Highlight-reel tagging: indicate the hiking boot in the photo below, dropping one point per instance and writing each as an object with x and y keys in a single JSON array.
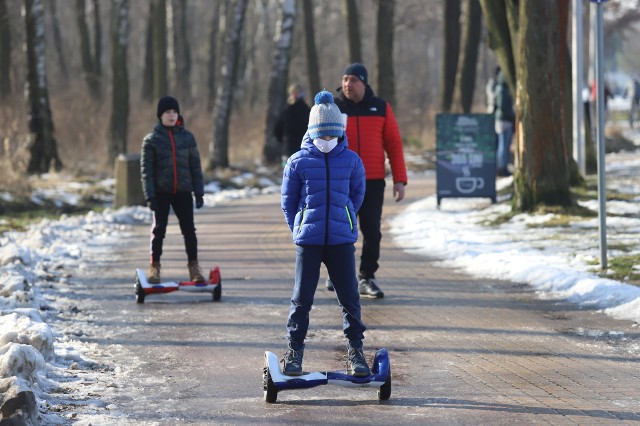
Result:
[
  {"x": 292, "y": 359},
  {"x": 329, "y": 285},
  {"x": 154, "y": 273},
  {"x": 195, "y": 275},
  {"x": 356, "y": 364},
  {"x": 367, "y": 287}
]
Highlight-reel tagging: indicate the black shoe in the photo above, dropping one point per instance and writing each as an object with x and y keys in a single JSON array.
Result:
[
  {"x": 356, "y": 364},
  {"x": 368, "y": 288},
  {"x": 329, "y": 285},
  {"x": 292, "y": 359}
]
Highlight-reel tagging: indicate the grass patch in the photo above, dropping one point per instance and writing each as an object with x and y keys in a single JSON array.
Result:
[{"x": 622, "y": 267}]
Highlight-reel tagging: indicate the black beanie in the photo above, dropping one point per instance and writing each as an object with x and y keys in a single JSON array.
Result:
[
  {"x": 167, "y": 103},
  {"x": 358, "y": 70}
]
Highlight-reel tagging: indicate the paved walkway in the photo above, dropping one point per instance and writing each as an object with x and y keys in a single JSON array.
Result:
[{"x": 463, "y": 351}]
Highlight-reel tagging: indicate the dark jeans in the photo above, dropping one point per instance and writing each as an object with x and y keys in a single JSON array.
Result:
[
  {"x": 370, "y": 216},
  {"x": 182, "y": 204},
  {"x": 341, "y": 264}
]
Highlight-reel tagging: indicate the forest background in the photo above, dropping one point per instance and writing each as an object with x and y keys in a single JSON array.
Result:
[{"x": 80, "y": 69}]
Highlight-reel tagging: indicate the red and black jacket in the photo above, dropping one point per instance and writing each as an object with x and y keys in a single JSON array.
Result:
[{"x": 372, "y": 131}]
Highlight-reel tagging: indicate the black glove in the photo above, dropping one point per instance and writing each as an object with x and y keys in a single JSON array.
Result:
[
  {"x": 152, "y": 204},
  {"x": 199, "y": 201}
]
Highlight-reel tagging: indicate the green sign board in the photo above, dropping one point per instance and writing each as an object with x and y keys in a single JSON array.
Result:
[{"x": 465, "y": 156}]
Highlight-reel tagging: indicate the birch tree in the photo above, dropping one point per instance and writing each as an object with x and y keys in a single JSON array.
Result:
[
  {"x": 313, "y": 69},
  {"x": 43, "y": 147},
  {"x": 279, "y": 72},
  {"x": 57, "y": 40},
  {"x": 182, "y": 49},
  {"x": 219, "y": 146}
]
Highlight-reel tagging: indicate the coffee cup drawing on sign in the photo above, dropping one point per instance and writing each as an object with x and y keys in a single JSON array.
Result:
[{"x": 469, "y": 184}]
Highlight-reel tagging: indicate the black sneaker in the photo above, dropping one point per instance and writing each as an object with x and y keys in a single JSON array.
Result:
[
  {"x": 292, "y": 360},
  {"x": 356, "y": 364},
  {"x": 329, "y": 285},
  {"x": 368, "y": 288}
]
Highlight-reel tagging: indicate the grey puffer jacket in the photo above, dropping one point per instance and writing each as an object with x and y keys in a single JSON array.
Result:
[{"x": 170, "y": 162}]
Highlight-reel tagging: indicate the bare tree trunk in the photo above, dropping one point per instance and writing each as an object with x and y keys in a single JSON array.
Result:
[
  {"x": 182, "y": 49},
  {"x": 147, "y": 73},
  {"x": 213, "y": 53},
  {"x": 219, "y": 147},
  {"x": 353, "y": 30},
  {"x": 43, "y": 148},
  {"x": 502, "y": 22},
  {"x": 384, "y": 41},
  {"x": 88, "y": 66},
  {"x": 120, "y": 90},
  {"x": 5, "y": 51},
  {"x": 451, "y": 50},
  {"x": 57, "y": 40},
  {"x": 159, "y": 42},
  {"x": 468, "y": 59},
  {"x": 279, "y": 73},
  {"x": 313, "y": 69},
  {"x": 97, "y": 44},
  {"x": 543, "y": 176}
]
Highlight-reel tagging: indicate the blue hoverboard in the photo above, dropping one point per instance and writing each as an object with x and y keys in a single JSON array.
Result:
[{"x": 275, "y": 381}]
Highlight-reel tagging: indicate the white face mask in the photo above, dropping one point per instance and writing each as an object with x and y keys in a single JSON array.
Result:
[{"x": 324, "y": 145}]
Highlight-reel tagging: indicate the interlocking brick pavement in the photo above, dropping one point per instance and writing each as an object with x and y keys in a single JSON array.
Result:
[{"x": 463, "y": 350}]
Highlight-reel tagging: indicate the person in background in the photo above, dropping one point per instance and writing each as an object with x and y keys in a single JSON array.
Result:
[
  {"x": 489, "y": 90},
  {"x": 292, "y": 123},
  {"x": 323, "y": 187},
  {"x": 372, "y": 131},
  {"x": 504, "y": 121},
  {"x": 171, "y": 172},
  {"x": 633, "y": 94}
]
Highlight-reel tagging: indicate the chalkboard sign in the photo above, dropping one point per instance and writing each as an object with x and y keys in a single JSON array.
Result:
[{"x": 465, "y": 156}]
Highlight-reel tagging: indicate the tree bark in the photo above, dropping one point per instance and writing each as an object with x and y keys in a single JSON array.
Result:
[
  {"x": 57, "y": 40},
  {"x": 502, "y": 34},
  {"x": 120, "y": 92},
  {"x": 213, "y": 54},
  {"x": 451, "y": 50},
  {"x": 88, "y": 66},
  {"x": 159, "y": 42},
  {"x": 543, "y": 175},
  {"x": 43, "y": 147},
  {"x": 5, "y": 51},
  {"x": 97, "y": 45},
  {"x": 219, "y": 147},
  {"x": 313, "y": 69},
  {"x": 279, "y": 73},
  {"x": 468, "y": 59},
  {"x": 353, "y": 30},
  {"x": 384, "y": 41},
  {"x": 147, "y": 73},
  {"x": 182, "y": 49}
]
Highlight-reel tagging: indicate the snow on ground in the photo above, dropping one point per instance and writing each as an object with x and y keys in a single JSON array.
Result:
[
  {"x": 558, "y": 261},
  {"x": 38, "y": 363}
]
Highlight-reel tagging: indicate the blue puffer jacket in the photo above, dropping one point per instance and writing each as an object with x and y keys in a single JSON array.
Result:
[{"x": 322, "y": 193}]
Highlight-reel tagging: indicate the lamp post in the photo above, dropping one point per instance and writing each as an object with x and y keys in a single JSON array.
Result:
[{"x": 600, "y": 100}]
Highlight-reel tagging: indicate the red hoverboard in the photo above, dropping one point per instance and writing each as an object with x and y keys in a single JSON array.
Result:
[{"x": 144, "y": 288}]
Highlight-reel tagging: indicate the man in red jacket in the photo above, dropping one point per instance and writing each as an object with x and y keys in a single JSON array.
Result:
[{"x": 372, "y": 132}]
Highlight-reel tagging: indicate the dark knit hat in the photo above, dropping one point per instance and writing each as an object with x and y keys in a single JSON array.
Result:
[
  {"x": 167, "y": 103},
  {"x": 325, "y": 118},
  {"x": 358, "y": 70}
]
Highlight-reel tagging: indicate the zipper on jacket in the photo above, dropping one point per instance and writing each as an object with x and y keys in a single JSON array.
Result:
[
  {"x": 304, "y": 208},
  {"x": 349, "y": 217},
  {"x": 175, "y": 162},
  {"x": 326, "y": 225}
]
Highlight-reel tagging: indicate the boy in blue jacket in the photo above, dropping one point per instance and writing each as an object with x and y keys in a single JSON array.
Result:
[{"x": 322, "y": 189}]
